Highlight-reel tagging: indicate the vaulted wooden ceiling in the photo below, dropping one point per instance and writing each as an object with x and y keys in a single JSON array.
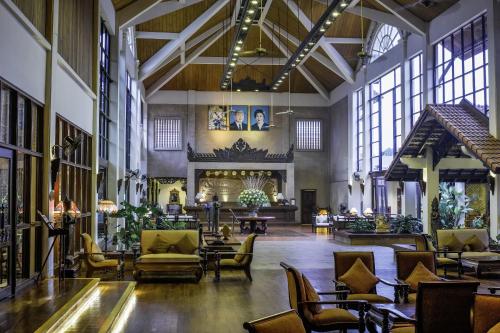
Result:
[{"x": 189, "y": 67}]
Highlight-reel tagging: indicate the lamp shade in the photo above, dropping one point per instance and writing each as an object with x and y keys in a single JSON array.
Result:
[
  {"x": 353, "y": 211},
  {"x": 106, "y": 206},
  {"x": 280, "y": 196},
  {"x": 68, "y": 207},
  {"x": 368, "y": 212}
]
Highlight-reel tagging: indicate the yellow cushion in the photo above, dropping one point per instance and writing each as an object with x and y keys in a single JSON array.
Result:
[
  {"x": 445, "y": 261},
  {"x": 323, "y": 212},
  {"x": 106, "y": 263},
  {"x": 412, "y": 297},
  {"x": 243, "y": 249},
  {"x": 168, "y": 258},
  {"x": 332, "y": 315},
  {"x": 495, "y": 329},
  {"x": 454, "y": 244},
  {"x": 229, "y": 262},
  {"x": 311, "y": 295},
  {"x": 359, "y": 279},
  {"x": 92, "y": 248},
  {"x": 403, "y": 329},
  {"x": 160, "y": 245},
  {"x": 370, "y": 298},
  {"x": 474, "y": 244},
  {"x": 185, "y": 245},
  {"x": 420, "y": 273}
]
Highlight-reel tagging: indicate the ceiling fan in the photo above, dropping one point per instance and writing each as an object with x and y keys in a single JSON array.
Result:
[{"x": 258, "y": 51}]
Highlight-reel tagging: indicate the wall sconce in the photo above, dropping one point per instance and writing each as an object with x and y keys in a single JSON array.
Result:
[
  {"x": 491, "y": 182},
  {"x": 69, "y": 146},
  {"x": 119, "y": 184},
  {"x": 402, "y": 186},
  {"x": 362, "y": 186},
  {"x": 423, "y": 185},
  {"x": 349, "y": 187}
]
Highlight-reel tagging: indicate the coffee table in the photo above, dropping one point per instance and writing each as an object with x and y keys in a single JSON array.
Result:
[
  {"x": 379, "y": 315},
  {"x": 253, "y": 223},
  {"x": 213, "y": 245},
  {"x": 482, "y": 264}
]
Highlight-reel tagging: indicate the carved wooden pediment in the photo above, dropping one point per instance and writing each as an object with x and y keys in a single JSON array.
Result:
[{"x": 240, "y": 151}]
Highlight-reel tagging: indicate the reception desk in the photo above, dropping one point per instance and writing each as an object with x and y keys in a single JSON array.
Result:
[{"x": 282, "y": 214}]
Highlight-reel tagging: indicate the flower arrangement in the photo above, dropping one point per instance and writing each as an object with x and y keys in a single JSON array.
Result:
[{"x": 253, "y": 197}]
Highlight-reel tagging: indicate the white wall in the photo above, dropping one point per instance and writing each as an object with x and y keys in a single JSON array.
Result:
[{"x": 22, "y": 56}]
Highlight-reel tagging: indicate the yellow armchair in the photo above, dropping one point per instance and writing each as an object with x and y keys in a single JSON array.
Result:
[{"x": 95, "y": 260}]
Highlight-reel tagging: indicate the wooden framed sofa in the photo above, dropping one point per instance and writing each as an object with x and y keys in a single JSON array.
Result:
[
  {"x": 169, "y": 253},
  {"x": 470, "y": 242}
]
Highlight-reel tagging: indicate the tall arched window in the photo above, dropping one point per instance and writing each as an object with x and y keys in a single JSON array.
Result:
[{"x": 385, "y": 39}]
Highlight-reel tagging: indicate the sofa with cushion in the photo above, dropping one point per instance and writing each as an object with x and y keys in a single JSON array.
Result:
[
  {"x": 167, "y": 253},
  {"x": 472, "y": 242}
]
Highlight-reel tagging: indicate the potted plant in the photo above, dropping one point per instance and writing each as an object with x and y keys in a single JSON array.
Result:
[
  {"x": 453, "y": 205},
  {"x": 406, "y": 225},
  {"x": 253, "y": 199},
  {"x": 362, "y": 225}
]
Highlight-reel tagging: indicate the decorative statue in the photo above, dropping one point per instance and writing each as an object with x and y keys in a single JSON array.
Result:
[
  {"x": 226, "y": 231},
  {"x": 381, "y": 224}
]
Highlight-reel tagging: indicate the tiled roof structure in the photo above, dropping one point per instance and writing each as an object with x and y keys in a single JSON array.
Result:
[{"x": 446, "y": 128}]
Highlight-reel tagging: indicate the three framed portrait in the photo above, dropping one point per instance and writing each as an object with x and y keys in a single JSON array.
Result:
[{"x": 238, "y": 118}]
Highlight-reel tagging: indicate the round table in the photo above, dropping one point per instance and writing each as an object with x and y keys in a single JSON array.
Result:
[{"x": 253, "y": 223}]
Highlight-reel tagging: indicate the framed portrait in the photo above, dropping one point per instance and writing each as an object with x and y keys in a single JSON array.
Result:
[
  {"x": 238, "y": 118},
  {"x": 217, "y": 117},
  {"x": 259, "y": 118}
]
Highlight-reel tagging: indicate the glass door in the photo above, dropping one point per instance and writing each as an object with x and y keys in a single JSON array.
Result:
[{"x": 7, "y": 226}]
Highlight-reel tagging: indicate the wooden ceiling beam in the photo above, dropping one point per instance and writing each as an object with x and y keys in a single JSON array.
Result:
[
  {"x": 405, "y": 15},
  {"x": 316, "y": 55},
  {"x": 236, "y": 10},
  {"x": 301, "y": 68},
  {"x": 382, "y": 17},
  {"x": 160, "y": 9},
  {"x": 195, "y": 54},
  {"x": 126, "y": 15},
  {"x": 153, "y": 63},
  {"x": 345, "y": 69},
  {"x": 156, "y": 35},
  {"x": 254, "y": 61}
]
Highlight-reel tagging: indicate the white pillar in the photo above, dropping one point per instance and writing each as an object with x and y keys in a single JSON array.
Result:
[
  {"x": 431, "y": 179},
  {"x": 493, "y": 32}
]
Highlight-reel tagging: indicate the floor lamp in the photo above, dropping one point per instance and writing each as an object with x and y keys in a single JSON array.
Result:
[{"x": 106, "y": 207}]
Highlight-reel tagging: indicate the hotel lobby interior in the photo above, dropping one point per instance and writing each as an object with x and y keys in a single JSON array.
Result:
[{"x": 283, "y": 166}]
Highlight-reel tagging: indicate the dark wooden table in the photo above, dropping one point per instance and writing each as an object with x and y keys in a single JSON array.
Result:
[
  {"x": 252, "y": 220},
  {"x": 213, "y": 245},
  {"x": 482, "y": 264},
  {"x": 378, "y": 316}
]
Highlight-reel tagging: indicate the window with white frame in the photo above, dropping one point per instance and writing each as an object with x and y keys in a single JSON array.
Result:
[
  {"x": 461, "y": 66},
  {"x": 309, "y": 135},
  {"x": 384, "y": 39},
  {"x": 168, "y": 134},
  {"x": 385, "y": 119},
  {"x": 416, "y": 95},
  {"x": 360, "y": 121}
]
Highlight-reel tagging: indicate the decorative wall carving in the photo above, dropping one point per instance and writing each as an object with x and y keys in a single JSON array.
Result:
[{"x": 240, "y": 151}]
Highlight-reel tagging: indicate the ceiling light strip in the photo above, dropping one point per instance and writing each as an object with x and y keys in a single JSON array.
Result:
[
  {"x": 247, "y": 14},
  {"x": 309, "y": 44}
]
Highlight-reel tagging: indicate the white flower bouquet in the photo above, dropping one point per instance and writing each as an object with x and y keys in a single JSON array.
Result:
[{"x": 253, "y": 197}]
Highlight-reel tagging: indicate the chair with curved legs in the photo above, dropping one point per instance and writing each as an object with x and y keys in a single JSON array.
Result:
[{"x": 283, "y": 322}]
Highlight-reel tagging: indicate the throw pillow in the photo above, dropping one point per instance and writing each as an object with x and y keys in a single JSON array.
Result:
[
  {"x": 454, "y": 244},
  {"x": 311, "y": 296},
  {"x": 420, "y": 273},
  {"x": 243, "y": 249},
  {"x": 359, "y": 279},
  {"x": 96, "y": 252},
  {"x": 159, "y": 245},
  {"x": 185, "y": 245},
  {"x": 474, "y": 244}
]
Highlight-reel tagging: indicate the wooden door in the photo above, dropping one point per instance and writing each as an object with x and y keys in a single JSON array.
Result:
[{"x": 307, "y": 205}]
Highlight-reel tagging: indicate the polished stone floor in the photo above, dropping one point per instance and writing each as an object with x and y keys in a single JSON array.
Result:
[{"x": 223, "y": 307}]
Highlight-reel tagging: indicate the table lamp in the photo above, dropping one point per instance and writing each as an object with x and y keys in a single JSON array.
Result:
[
  {"x": 280, "y": 197},
  {"x": 353, "y": 211},
  {"x": 368, "y": 212},
  {"x": 106, "y": 207}
]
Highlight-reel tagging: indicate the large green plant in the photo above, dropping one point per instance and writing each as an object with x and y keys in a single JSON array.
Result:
[
  {"x": 453, "y": 205},
  {"x": 406, "y": 225},
  {"x": 136, "y": 219},
  {"x": 362, "y": 225}
]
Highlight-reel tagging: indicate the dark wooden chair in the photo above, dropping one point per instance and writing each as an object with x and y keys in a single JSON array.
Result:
[
  {"x": 283, "y": 322},
  {"x": 343, "y": 261},
  {"x": 424, "y": 243},
  {"x": 327, "y": 319},
  {"x": 442, "y": 306},
  {"x": 241, "y": 261}
]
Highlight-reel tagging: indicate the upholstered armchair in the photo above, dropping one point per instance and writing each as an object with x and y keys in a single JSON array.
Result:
[
  {"x": 486, "y": 313},
  {"x": 355, "y": 272},
  {"x": 413, "y": 267},
  {"x": 321, "y": 218},
  {"x": 424, "y": 243},
  {"x": 95, "y": 260},
  {"x": 284, "y": 322},
  {"x": 241, "y": 261},
  {"x": 441, "y": 306},
  {"x": 306, "y": 301}
]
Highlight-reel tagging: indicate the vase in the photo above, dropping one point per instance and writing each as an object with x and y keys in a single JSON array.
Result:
[{"x": 253, "y": 209}]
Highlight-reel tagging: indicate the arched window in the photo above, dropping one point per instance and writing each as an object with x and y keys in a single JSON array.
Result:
[{"x": 385, "y": 39}]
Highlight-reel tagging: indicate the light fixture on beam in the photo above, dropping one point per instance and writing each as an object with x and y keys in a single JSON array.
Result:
[
  {"x": 334, "y": 9},
  {"x": 246, "y": 16}
]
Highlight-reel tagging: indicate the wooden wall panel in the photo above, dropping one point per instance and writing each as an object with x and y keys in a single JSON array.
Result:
[
  {"x": 35, "y": 11},
  {"x": 75, "y": 36}
]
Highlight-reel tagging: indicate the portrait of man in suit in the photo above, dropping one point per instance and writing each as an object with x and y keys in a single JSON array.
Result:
[
  {"x": 260, "y": 116},
  {"x": 238, "y": 121}
]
